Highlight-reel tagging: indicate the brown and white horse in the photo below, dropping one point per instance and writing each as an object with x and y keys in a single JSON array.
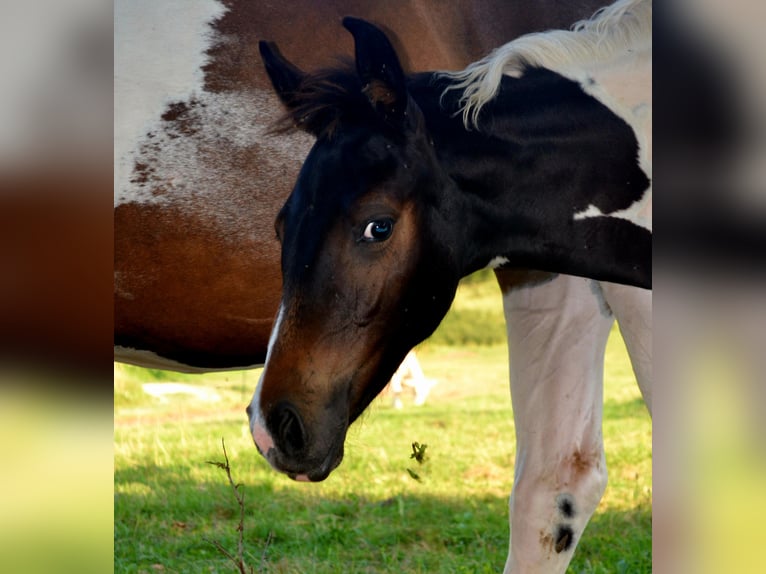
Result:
[
  {"x": 548, "y": 168},
  {"x": 199, "y": 184}
]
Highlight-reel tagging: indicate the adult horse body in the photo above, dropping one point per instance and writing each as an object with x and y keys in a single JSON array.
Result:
[
  {"x": 398, "y": 199},
  {"x": 198, "y": 186},
  {"x": 198, "y": 183}
]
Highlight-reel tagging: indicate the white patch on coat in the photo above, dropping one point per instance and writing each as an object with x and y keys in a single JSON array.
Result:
[
  {"x": 610, "y": 56},
  {"x": 159, "y": 51},
  {"x": 261, "y": 435},
  {"x": 497, "y": 262},
  {"x": 202, "y": 162},
  {"x": 639, "y": 212}
]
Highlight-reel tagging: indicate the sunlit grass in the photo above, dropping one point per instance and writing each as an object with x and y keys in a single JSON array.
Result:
[{"x": 371, "y": 515}]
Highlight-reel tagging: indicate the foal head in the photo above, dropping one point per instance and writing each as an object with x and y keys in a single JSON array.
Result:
[{"x": 367, "y": 262}]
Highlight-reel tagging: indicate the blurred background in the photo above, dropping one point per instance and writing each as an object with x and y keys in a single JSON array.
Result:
[
  {"x": 55, "y": 283},
  {"x": 710, "y": 304}
]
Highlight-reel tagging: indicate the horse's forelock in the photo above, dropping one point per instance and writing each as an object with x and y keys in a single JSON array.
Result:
[{"x": 323, "y": 100}]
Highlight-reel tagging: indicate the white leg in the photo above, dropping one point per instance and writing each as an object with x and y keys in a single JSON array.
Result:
[
  {"x": 632, "y": 308},
  {"x": 395, "y": 384},
  {"x": 412, "y": 367},
  {"x": 410, "y": 374},
  {"x": 557, "y": 335},
  {"x": 416, "y": 379}
]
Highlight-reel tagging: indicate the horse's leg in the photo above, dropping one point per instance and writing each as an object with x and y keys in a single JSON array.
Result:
[
  {"x": 416, "y": 379},
  {"x": 632, "y": 307},
  {"x": 557, "y": 335},
  {"x": 395, "y": 384}
]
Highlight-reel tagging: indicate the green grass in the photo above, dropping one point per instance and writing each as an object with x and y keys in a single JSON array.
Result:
[{"x": 370, "y": 515}]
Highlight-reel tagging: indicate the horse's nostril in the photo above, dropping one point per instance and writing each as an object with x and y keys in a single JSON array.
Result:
[{"x": 290, "y": 431}]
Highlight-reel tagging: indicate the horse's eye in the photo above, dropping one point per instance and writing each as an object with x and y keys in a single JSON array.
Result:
[{"x": 378, "y": 230}]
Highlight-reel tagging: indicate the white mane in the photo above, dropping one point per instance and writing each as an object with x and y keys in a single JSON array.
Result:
[{"x": 612, "y": 31}]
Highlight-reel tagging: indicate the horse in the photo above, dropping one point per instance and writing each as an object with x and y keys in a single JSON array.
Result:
[
  {"x": 198, "y": 183},
  {"x": 410, "y": 374},
  {"x": 536, "y": 157}
]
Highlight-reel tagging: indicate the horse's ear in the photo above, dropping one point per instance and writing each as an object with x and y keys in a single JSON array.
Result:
[
  {"x": 285, "y": 76},
  {"x": 379, "y": 69}
]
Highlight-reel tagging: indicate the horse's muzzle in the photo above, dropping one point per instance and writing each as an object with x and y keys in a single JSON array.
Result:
[{"x": 290, "y": 453}]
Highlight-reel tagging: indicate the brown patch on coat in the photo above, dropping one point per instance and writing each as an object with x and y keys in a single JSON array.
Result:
[
  {"x": 546, "y": 540},
  {"x": 175, "y": 111},
  {"x": 510, "y": 279},
  {"x": 582, "y": 463},
  {"x": 197, "y": 295}
]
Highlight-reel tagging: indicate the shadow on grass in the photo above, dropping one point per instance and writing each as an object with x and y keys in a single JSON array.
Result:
[{"x": 164, "y": 521}]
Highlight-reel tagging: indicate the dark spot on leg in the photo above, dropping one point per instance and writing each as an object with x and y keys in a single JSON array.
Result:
[
  {"x": 564, "y": 538},
  {"x": 566, "y": 505}
]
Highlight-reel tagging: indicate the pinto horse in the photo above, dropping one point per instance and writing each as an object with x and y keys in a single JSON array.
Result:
[
  {"x": 198, "y": 183},
  {"x": 536, "y": 157}
]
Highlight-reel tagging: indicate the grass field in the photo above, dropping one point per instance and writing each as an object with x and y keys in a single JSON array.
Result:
[{"x": 370, "y": 515}]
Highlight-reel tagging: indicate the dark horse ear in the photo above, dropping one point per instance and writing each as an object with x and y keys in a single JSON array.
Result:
[
  {"x": 285, "y": 76},
  {"x": 378, "y": 67}
]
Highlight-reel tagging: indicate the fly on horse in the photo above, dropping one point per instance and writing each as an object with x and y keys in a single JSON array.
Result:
[{"x": 536, "y": 157}]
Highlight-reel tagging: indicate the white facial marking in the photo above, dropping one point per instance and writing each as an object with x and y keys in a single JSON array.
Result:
[
  {"x": 274, "y": 331},
  {"x": 261, "y": 435}
]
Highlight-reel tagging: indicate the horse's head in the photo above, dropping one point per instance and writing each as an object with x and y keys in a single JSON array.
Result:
[{"x": 368, "y": 271}]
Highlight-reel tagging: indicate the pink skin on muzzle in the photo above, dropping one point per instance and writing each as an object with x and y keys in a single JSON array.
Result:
[
  {"x": 262, "y": 438},
  {"x": 265, "y": 443}
]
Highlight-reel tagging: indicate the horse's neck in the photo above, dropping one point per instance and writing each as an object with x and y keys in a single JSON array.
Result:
[
  {"x": 525, "y": 188},
  {"x": 623, "y": 83},
  {"x": 520, "y": 233}
]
